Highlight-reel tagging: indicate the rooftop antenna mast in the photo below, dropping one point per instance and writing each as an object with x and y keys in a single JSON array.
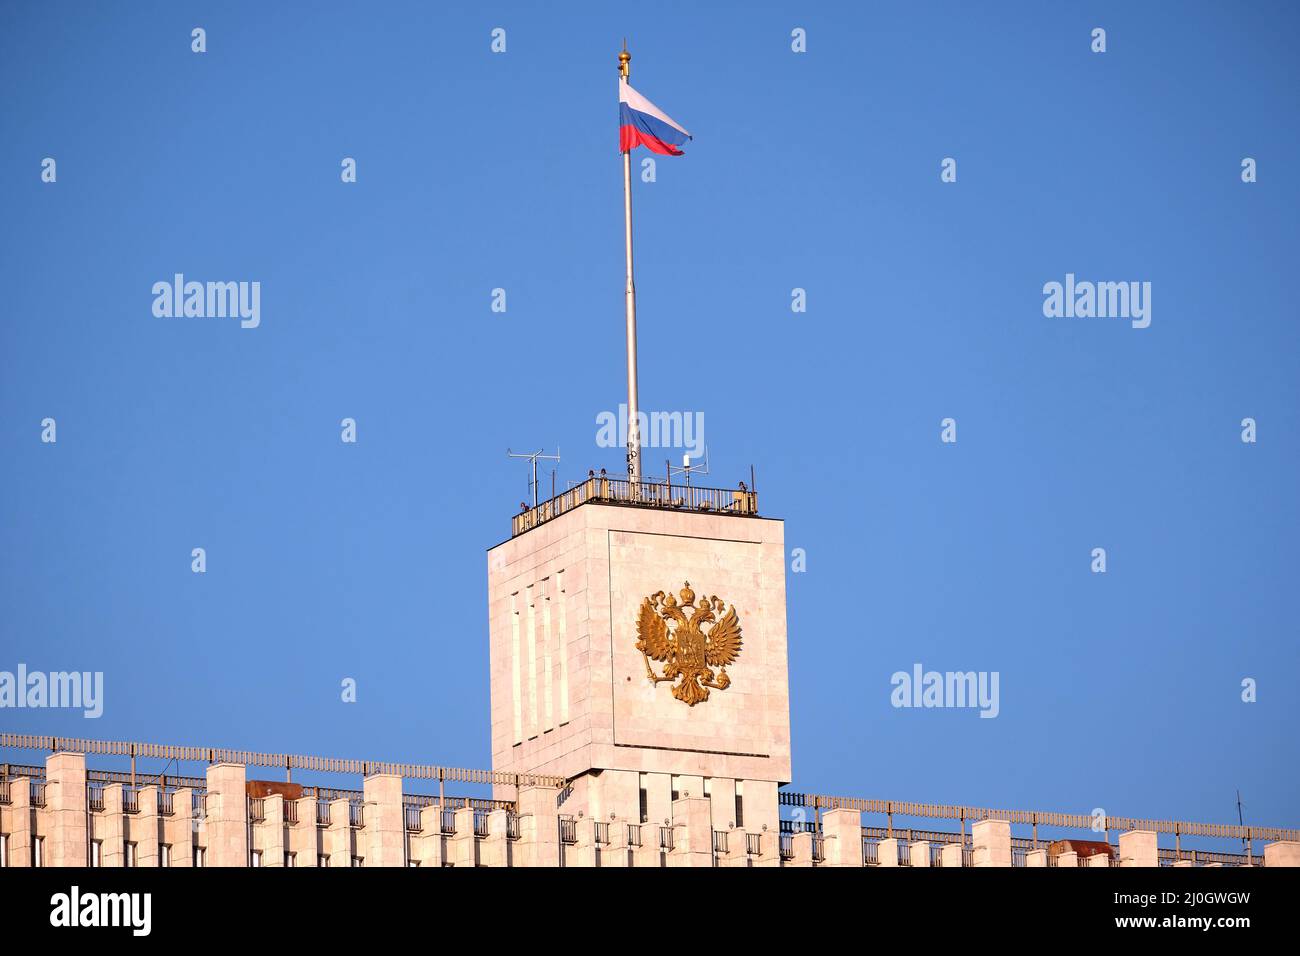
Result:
[
  {"x": 1240, "y": 820},
  {"x": 687, "y": 468},
  {"x": 532, "y": 456}
]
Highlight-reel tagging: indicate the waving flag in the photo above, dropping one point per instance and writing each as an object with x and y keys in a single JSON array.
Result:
[{"x": 641, "y": 123}]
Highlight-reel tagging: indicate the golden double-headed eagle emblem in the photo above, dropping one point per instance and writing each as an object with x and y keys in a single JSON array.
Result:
[{"x": 689, "y": 653}]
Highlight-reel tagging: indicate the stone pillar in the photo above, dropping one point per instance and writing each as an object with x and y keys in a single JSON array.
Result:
[
  {"x": 647, "y": 854},
  {"x": 178, "y": 828},
  {"x": 919, "y": 853},
  {"x": 304, "y": 842},
  {"x": 1282, "y": 853},
  {"x": 426, "y": 849},
  {"x": 539, "y": 826},
  {"x": 494, "y": 848},
  {"x": 144, "y": 828},
  {"x": 842, "y": 830},
  {"x": 111, "y": 823},
  {"x": 1138, "y": 848},
  {"x": 992, "y": 841},
  {"x": 461, "y": 849},
  {"x": 227, "y": 815},
  {"x": 736, "y": 855},
  {"x": 950, "y": 856},
  {"x": 583, "y": 852},
  {"x": 338, "y": 838},
  {"x": 692, "y": 833},
  {"x": 722, "y": 804},
  {"x": 887, "y": 852},
  {"x": 614, "y": 853},
  {"x": 20, "y": 809},
  {"x": 761, "y": 807},
  {"x": 65, "y": 797},
  {"x": 1036, "y": 858},
  {"x": 1069, "y": 860},
  {"x": 385, "y": 830},
  {"x": 268, "y": 836}
]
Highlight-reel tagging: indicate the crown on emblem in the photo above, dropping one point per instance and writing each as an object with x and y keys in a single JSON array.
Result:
[{"x": 688, "y": 596}]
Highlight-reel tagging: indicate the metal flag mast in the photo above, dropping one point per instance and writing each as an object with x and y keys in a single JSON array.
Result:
[{"x": 633, "y": 416}]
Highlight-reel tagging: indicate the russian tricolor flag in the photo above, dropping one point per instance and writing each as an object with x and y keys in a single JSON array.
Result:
[{"x": 641, "y": 123}]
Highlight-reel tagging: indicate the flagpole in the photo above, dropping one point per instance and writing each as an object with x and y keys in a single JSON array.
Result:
[{"x": 633, "y": 416}]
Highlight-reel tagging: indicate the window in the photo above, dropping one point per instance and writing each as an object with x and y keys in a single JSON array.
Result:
[
  {"x": 645, "y": 809},
  {"x": 322, "y": 860},
  {"x": 413, "y": 863},
  {"x": 165, "y": 854},
  {"x": 358, "y": 861},
  {"x": 4, "y": 849},
  {"x": 256, "y": 860},
  {"x": 38, "y": 851},
  {"x": 740, "y": 804},
  {"x": 675, "y": 794},
  {"x": 708, "y": 786},
  {"x": 200, "y": 856},
  {"x": 290, "y": 859},
  {"x": 97, "y": 853},
  {"x": 132, "y": 854}
]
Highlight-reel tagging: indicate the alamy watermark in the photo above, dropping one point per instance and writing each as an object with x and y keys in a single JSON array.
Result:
[
  {"x": 75, "y": 689},
  {"x": 657, "y": 430},
  {"x": 922, "y": 688},
  {"x": 1102, "y": 300},
  {"x": 209, "y": 300}
]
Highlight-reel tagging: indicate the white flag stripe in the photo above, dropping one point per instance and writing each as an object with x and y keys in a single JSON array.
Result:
[{"x": 642, "y": 105}]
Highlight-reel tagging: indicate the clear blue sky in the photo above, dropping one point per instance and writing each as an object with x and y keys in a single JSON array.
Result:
[{"x": 818, "y": 171}]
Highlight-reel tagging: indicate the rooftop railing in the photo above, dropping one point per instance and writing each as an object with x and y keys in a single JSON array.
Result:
[
  {"x": 512, "y": 825},
  {"x": 870, "y": 851},
  {"x": 754, "y": 844},
  {"x": 1036, "y": 818},
  {"x": 38, "y": 793},
  {"x": 291, "y": 812},
  {"x": 601, "y": 832},
  {"x": 720, "y": 842},
  {"x": 257, "y": 809},
  {"x": 634, "y": 834},
  {"x": 666, "y": 839},
  {"x": 642, "y": 494},
  {"x": 568, "y": 830},
  {"x": 287, "y": 762},
  {"x": 130, "y": 800}
]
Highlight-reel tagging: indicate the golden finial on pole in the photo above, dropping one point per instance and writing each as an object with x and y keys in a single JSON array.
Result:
[{"x": 624, "y": 58}]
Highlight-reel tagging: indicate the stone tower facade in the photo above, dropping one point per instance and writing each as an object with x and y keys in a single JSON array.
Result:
[{"x": 572, "y": 694}]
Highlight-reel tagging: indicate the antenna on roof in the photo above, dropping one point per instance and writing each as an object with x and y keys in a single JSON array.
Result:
[
  {"x": 533, "y": 456},
  {"x": 1240, "y": 819},
  {"x": 687, "y": 468}
]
